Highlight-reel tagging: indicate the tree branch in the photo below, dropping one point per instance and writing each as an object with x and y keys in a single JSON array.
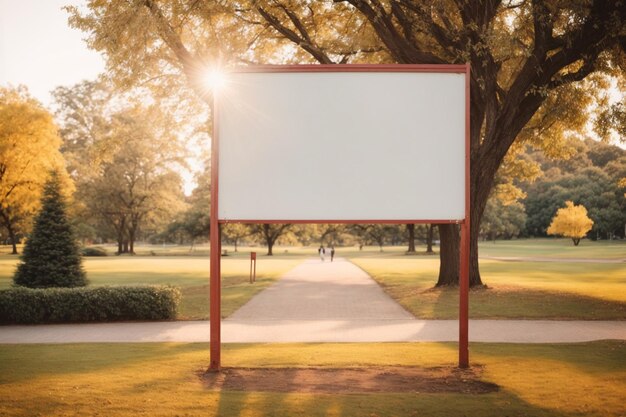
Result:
[
  {"x": 400, "y": 48},
  {"x": 190, "y": 65},
  {"x": 303, "y": 41}
]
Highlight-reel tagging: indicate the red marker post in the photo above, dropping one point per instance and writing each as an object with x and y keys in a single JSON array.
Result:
[{"x": 252, "y": 270}]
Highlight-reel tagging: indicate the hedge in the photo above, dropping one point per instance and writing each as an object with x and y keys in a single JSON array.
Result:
[
  {"x": 94, "y": 251},
  {"x": 22, "y": 305}
]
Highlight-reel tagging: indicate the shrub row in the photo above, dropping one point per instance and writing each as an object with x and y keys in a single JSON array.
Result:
[
  {"x": 70, "y": 305},
  {"x": 94, "y": 251}
]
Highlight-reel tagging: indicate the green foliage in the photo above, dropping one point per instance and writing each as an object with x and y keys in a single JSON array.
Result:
[
  {"x": 66, "y": 305},
  {"x": 501, "y": 220},
  {"x": 591, "y": 178},
  {"x": 51, "y": 256},
  {"x": 94, "y": 251}
]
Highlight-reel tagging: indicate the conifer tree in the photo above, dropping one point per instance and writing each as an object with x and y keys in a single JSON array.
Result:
[{"x": 51, "y": 255}]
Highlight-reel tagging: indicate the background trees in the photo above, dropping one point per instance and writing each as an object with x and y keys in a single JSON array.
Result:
[
  {"x": 591, "y": 178},
  {"x": 125, "y": 157},
  {"x": 29, "y": 150},
  {"x": 502, "y": 221}
]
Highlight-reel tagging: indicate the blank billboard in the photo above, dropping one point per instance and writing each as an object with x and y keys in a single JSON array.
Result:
[{"x": 341, "y": 146}]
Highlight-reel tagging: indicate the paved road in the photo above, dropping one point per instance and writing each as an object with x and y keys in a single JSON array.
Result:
[{"x": 321, "y": 302}]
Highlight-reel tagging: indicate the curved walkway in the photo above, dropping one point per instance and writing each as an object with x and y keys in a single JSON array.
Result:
[
  {"x": 548, "y": 259},
  {"x": 321, "y": 302}
]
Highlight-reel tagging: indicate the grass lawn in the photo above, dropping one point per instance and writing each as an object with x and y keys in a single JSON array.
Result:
[
  {"x": 164, "y": 380},
  {"x": 533, "y": 290},
  {"x": 555, "y": 248},
  {"x": 529, "y": 290},
  {"x": 189, "y": 273}
]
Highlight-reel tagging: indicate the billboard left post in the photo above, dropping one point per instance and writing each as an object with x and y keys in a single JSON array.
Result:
[{"x": 215, "y": 250}]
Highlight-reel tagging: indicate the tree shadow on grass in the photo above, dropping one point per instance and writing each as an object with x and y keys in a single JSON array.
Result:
[
  {"x": 513, "y": 302},
  {"x": 597, "y": 357},
  {"x": 23, "y": 362},
  {"x": 237, "y": 403}
]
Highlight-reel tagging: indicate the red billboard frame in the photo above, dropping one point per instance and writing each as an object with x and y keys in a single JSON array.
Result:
[{"x": 215, "y": 222}]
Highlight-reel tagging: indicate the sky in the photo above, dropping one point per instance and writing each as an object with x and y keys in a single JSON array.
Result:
[{"x": 39, "y": 50}]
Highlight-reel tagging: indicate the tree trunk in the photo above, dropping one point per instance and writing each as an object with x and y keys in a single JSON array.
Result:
[
  {"x": 411, "y": 229},
  {"x": 6, "y": 220},
  {"x": 13, "y": 239},
  {"x": 269, "y": 239},
  {"x": 131, "y": 241},
  {"x": 429, "y": 239},
  {"x": 120, "y": 246},
  {"x": 576, "y": 241},
  {"x": 235, "y": 244},
  {"x": 448, "y": 255}
]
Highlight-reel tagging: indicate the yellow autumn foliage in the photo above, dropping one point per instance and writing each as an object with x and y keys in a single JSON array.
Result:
[
  {"x": 571, "y": 221},
  {"x": 29, "y": 151},
  {"x": 622, "y": 184}
]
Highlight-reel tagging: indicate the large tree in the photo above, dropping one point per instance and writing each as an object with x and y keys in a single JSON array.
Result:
[
  {"x": 29, "y": 150},
  {"x": 529, "y": 59},
  {"x": 124, "y": 155},
  {"x": 269, "y": 233}
]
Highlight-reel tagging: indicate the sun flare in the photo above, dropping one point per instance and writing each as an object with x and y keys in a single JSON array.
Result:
[{"x": 214, "y": 79}]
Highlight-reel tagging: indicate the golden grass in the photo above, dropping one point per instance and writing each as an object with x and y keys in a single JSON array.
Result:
[
  {"x": 190, "y": 273},
  {"x": 533, "y": 290},
  {"x": 162, "y": 380},
  {"x": 555, "y": 290}
]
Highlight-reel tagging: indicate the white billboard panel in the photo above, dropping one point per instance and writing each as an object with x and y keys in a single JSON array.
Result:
[{"x": 341, "y": 146}]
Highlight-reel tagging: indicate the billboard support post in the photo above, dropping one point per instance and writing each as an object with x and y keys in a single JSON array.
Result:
[
  {"x": 215, "y": 291},
  {"x": 464, "y": 252},
  {"x": 464, "y": 298}
]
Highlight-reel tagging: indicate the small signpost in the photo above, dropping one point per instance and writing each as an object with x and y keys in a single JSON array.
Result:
[{"x": 252, "y": 269}]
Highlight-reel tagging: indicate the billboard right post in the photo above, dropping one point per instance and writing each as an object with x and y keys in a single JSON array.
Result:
[{"x": 464, "y": 266}]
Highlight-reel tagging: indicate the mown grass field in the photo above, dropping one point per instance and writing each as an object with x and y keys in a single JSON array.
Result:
[
  {"x": 164, "y": 380},
  {"x": 526, "y": 289},
  {"x": 189, "y": 273},
  {"x": 519, "y": 290}
]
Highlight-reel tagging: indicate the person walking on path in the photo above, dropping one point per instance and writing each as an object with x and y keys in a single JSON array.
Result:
[
  {"x": 332, "y": 253},
  {"x": 322, "y": 252}
]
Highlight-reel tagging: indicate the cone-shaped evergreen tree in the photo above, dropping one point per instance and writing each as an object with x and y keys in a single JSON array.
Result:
[{"x": 51, "y": 255}]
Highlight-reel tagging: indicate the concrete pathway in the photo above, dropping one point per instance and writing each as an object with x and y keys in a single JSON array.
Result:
[
  {"x": 548, "y": 259},
  {"x": 283, "y": 331},
  {"x": 316, "y": 290},
  {"x": 320, "y": 302}
]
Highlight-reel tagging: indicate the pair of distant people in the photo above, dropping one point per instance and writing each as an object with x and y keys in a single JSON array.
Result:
[{"x": 322, "y": 252}]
